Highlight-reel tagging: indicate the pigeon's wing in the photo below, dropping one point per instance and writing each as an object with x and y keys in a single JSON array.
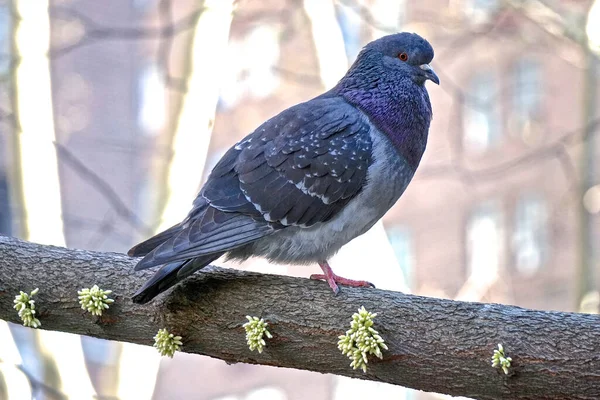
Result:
[
  {"x": 206, "y": 231},
  {"x": 300, "y": 167}
]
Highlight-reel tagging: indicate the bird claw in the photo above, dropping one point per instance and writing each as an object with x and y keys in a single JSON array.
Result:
[
  {"x": 333, "y": 280},
  {"x": 332, "y": 284}
]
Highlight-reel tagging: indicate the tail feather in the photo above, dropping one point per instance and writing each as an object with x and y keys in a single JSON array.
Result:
[
  {"x": 148, "y": 245},
  {"x": 168, "y": 276}
]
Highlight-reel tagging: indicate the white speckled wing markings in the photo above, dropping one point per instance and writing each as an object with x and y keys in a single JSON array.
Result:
[
  {"x": 297, "y": 169},
  {"x": 304, "y": 165},
  {"x": 387, "y": 178}
]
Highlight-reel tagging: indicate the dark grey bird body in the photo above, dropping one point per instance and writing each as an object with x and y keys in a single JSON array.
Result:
[
  {"x": 388, "y": 175},
  {"x": 312, "y": 178}
]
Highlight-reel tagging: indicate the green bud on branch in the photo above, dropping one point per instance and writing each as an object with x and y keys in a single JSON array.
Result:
[
  {"x": 255, "y": 330},
  {"x": 26, "y": 308}
]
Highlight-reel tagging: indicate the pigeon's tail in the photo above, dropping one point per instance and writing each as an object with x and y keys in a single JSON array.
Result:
[
  {"x": 169, "y": 274},
  {"x": 148, "y": 245}
]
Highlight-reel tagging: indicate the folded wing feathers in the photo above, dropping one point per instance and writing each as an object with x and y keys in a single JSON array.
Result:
[{"x": 299, "y": 168}]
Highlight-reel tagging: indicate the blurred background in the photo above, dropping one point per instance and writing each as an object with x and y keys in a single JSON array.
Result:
[{"x": 113, "y": 112}]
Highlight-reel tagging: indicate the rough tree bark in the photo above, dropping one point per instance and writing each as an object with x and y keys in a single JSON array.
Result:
[{"x": 434, "y": 344}]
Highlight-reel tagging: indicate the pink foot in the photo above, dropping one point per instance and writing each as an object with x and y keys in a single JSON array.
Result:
[{"x": 332, "y": 279}]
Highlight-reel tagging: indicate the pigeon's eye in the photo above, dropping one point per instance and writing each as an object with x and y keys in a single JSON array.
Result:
[{"x": 403, "y": 57}]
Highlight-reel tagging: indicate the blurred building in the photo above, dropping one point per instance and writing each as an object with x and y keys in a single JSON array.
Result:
[{"x": 494, "y": 213}]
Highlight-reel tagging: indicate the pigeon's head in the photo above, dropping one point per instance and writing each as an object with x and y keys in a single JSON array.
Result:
[{"x": 401, "y": 54}]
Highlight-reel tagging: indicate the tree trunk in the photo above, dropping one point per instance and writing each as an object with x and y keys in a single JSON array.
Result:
[
  {"x": 39, "y": 170},
  {"x": 434, "y": 344},
  {"x": 194, "y": 126}
]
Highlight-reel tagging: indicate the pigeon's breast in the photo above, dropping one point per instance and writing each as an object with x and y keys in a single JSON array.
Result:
[{"x": 387, "y": 178}]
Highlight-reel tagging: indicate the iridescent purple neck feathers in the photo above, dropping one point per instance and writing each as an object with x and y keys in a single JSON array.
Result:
[{"x": 395, "y": 104}]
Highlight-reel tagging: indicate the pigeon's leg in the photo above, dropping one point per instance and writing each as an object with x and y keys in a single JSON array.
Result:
[{"x": 332, "y": 279}]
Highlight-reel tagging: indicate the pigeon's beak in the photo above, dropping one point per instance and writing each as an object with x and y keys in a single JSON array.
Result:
[{"x": 429, "y": 73}]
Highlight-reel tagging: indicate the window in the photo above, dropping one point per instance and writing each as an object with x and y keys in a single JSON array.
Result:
[
  {"x": 484, "y": 241},
  {"x": 530, "y": 238},
  {"x": 401, "y": 241},
  {"x": 481, "y": 119},
  {"x": 152, "y": 100},
  {"x": 5, "y": 38},
  {"x": 527, "y": 94}
]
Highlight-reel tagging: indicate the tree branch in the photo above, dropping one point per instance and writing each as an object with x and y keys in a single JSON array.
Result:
[{"x": 434, "y": 344}]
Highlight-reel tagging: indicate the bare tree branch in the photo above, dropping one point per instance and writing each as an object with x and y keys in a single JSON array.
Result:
[
  {"x": 556, "y": 149},
  {"x": 549, "y": 19},
  {"x": 38, "y": 386},
  {"x": 434, "y": 344},
  {"x": 94, "y": 31},
  {"x": 165, "y": 46},
  {"x": 111, "y": 196}
]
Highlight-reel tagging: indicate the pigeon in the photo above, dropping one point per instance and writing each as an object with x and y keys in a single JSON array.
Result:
[{"x": 310, "y": 179}]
